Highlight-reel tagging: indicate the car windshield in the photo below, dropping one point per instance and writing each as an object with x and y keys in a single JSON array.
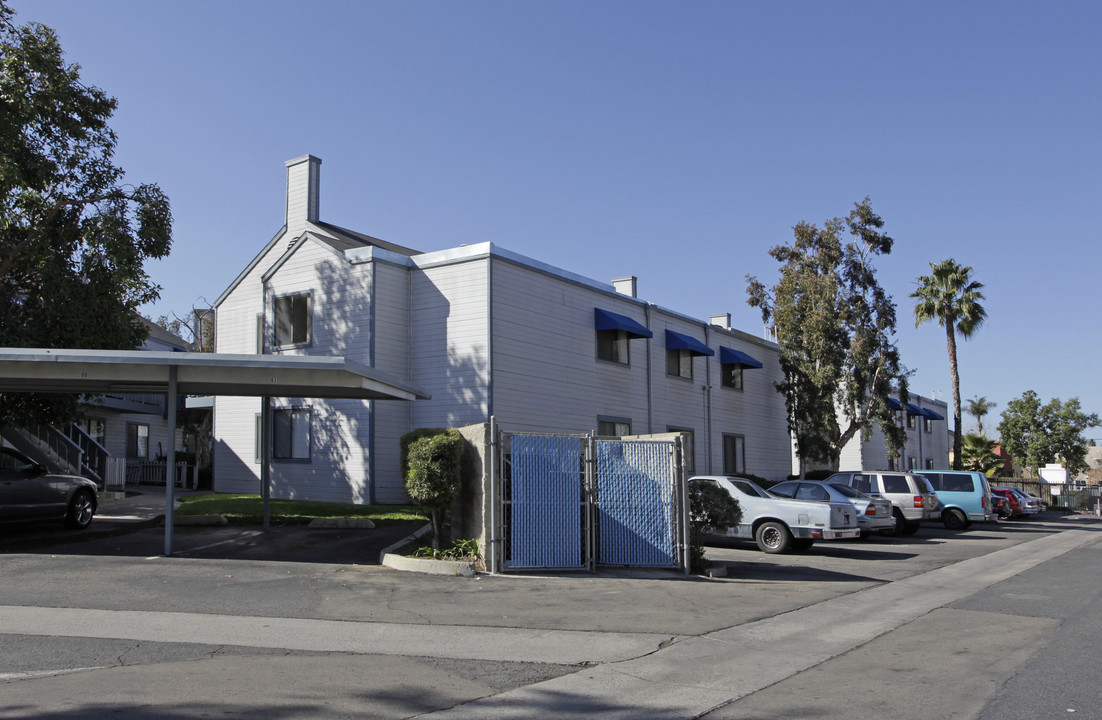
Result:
[
  {"x": 848, "y": 491},
  {"x": 748, "y": 487}
]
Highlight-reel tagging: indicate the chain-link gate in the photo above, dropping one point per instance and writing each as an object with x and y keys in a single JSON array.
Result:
[{"x": 572, "y": 502}]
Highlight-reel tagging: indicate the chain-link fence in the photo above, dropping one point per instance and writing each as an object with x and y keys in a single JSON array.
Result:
[{"x": 1068, "y": 497}]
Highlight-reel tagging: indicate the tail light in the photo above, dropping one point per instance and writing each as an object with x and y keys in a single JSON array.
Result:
[
  {"x": 919, "y": 502},
  {"x": 983, "y": 503},
  {"x": 870, "y": 510}
]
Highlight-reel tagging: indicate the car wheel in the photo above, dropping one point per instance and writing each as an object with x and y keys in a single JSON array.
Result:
[
  {"x": 773, "y": 538},
  {"x": 802, "y": 544},
  {"x": 910, "y": 528},
  {"x": 81, "y": 509},
  {"x": 954, "y": 519}
]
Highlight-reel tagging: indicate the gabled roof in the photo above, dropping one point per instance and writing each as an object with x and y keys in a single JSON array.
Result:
[
  {"x": 337, "y": 238},
  {"x": 345, "y": 239},
  {"x": 158, "y": 333}
]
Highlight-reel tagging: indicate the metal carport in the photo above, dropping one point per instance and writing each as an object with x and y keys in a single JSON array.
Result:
[{"x": 95, "y": 372}]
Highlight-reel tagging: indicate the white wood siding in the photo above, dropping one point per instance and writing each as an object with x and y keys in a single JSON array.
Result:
[
  {"x": 756, "y": 412},
  {"x": 450, "y": 350},
  {"x": 546, "y": 374}
]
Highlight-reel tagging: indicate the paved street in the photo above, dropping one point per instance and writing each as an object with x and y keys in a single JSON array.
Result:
[{"x": 991, "y": 623}]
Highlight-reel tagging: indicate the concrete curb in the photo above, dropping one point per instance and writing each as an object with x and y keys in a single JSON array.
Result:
[
  {"x": 354, "y": 523},
  {"x": 404, "y": 541},
  {"x": 197, "y": 520},
  {"x": 429, "y": 566}
]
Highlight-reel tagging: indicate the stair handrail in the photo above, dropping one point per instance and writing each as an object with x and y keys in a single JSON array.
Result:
[
  {"x": 94, "y": 461},
  {"x": 65, "y": 453}
]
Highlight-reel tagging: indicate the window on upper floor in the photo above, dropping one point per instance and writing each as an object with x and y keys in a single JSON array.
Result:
[
  {"x": 680, "y": 351},
  {"x": 292, "y": 320},
  {"x": 731, "y": 376},
  {"x": 614, "y": 332},
  {"x": 928, "y": 424},
  {"x": 612, "y": 346},
  {"x": 679, "y": 362},
  {"x": 732, "y": 363}
]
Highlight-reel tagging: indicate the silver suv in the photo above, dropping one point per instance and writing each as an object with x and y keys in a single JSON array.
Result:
[{"x": 913, "y": 502}]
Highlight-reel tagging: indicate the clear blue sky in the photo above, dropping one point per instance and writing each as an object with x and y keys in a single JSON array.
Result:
[{"x": 674, "y": 141}]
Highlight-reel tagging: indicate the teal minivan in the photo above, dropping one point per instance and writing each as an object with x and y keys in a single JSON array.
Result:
[{"x": 965, "y": 497}]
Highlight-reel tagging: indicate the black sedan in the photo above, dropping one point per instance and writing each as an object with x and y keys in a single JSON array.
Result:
[{"x": 29, "y": 491}]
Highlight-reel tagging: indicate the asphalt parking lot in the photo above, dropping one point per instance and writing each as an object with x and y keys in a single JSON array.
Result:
[{"x": 238, "y": 602}]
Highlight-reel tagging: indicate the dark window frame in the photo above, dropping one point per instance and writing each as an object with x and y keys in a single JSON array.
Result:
[
  {"x": 288, "y": 446},
  {"x": 609, "y": 345},
  {"x": 739, "y": 454},
  {"x": 300, "y": 306}
]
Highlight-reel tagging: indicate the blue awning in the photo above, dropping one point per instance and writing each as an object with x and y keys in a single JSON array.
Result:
[
  {"x": 605, "y": 320},
  {"x": 727, "y": 356},
  {"x": 677, "y": 341},
  {"x": 931, "y": 414},
  {"x": 913, "y": 409},
  {"x": 893, "y": 404}
]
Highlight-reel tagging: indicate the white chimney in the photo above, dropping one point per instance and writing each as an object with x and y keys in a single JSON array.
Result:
[
  {"x": 723, "y": 320},
  {"x": 626, "y": 285},
  {"x": 302, "y": 193}
]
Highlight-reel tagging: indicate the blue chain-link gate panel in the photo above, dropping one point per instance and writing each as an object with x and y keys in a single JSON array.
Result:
[
  {"x": 545, "y": 503},
  {"x": 636, "y": 504}
]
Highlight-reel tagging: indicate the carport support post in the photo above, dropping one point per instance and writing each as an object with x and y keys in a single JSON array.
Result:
[
  {"x": 170, "y": 459},
  {"x": 266, "y": 458}
]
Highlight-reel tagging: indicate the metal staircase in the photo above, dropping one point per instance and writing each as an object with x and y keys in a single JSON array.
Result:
[{"x": 74, "y": 452}]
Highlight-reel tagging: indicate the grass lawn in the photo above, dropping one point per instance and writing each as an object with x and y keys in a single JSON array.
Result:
[{"x": 249, "y": 509}]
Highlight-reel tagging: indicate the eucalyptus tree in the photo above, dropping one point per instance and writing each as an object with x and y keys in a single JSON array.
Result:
[
  {"x": 1035, "y": 434},
  {"x": 835, "y": 326},
  {"x": 978, "y": 407},
  {"x": 950, "y": 296},
  {"x": 73, "y": 237}
]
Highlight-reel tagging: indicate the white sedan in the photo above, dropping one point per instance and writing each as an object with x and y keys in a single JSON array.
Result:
[{"x": 873, "y": 514}]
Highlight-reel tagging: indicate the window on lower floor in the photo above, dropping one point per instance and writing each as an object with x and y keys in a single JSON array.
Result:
[
  {"x": 137, "y": 440},
  {"x": 612, "y": 346},
  {"x": 929, "y": 463},
  {"x": 911, "y": 464},
  {"x": 291, "y": 434},
  {"x": 734, "y": 454},
  {"x": 679, "y": 362},
  {"x": 613, "y": 427},
  {"x": 95, "y": 427},
  {"x": 292, "y": 320}
]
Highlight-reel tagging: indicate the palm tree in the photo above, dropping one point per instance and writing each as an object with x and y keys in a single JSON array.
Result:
[
  {"x": 977, "y": 408},
  {"x": 950, "y": 296},
  {"x": 978, "y": 453}
]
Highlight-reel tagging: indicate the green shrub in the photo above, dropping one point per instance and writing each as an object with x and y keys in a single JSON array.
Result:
[
  {"x": 709, "y": 506},
  {"x": 431, "y": 468}
]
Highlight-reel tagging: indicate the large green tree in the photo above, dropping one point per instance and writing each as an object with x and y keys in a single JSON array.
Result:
[
  {"x": 835, "y": 326},
  {"x": 1036, "y": 434},
  {"x": 73, "y": 237},
  {"x": 950, "y": 296}
]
